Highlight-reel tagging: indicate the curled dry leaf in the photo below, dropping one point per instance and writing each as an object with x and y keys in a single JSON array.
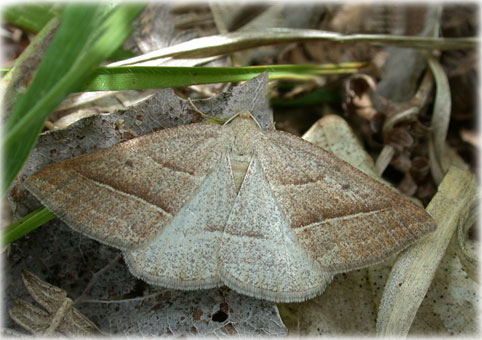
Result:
[
  {"x": 412, "y": 274},
  {"x": 402, "y": 162},
  {"x": 398, "y": 97},
  {"x": 60, "y": 317},
  {"x": 400, "y": 138},
  {"x": 408, "y": 185},
  {"x": 439, "y": 159},
  {"x": 384, "y": 158},
  {"x": 359, "y": 90},
  {"x": 403, "y": 131},
  {"x": 419, "y": 167},
  {"x": 401, "y": 127}
]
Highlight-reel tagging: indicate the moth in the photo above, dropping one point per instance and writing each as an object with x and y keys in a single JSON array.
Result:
[{"x": 203, "y": 205}]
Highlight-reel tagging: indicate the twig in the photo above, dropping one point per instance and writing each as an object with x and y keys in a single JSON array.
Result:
[
  {"x": 140, "y": 298},
  {"x": 95, "y": 276}
]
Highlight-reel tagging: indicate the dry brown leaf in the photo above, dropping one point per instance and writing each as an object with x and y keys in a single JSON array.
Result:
[
  {"x": 231, "y": 42},
  {"x": 412, "y": 274},
  {"x": 60, "y": 318},
  {"x": 439, "y": 162}
]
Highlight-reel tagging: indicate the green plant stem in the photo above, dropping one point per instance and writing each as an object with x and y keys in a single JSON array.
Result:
[
  {"x": 146, "y": 77},
  {"x": 26, "y": 224}
]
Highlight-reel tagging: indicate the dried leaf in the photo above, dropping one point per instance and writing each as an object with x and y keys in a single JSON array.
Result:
[
  {"x": 408, "y": 185},
  {"x": 232, "y": 42},
  {"x": 384, "y": 158},
  {"x": 439, "y": 162},
  {"x": 48, "y": 296},
  {"x": 359, "y": 90},
  {"x": 33, "y": 319},
  {"x": 60, "y": 318},
  {"x": 412, "y": 274},
  {"x": 419, "y": 167},
  {"x": 216, "y": 312}
]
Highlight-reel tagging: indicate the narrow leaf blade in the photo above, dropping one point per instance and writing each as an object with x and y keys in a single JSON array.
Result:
[{"x": 72, "y": 56}]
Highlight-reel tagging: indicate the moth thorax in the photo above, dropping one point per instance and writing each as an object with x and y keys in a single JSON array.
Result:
[
  {"x": 245, "y": 131},
  {"x": 243, "y": 144}
]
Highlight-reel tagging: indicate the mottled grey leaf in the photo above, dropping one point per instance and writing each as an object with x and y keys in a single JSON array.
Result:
[{"x": 214, "y": 312}]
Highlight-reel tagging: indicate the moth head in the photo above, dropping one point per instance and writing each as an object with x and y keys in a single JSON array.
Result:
[
  {"x": 245, "y": 128},
  {"x": 243, "y": 118}
]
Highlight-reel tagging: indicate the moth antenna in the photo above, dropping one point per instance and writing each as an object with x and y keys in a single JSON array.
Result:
[{"x": 232, "y": 117}]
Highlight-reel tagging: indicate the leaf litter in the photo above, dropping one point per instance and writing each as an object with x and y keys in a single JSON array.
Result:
[{"x": 433, "y": 317}]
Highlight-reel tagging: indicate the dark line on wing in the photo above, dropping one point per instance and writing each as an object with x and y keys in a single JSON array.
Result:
[
  {"x": 110, "y": 187},
  {"x": 173, "y": 167},
  {"x": 344, "y": 217},
  {"x": 192, "y": 148}
]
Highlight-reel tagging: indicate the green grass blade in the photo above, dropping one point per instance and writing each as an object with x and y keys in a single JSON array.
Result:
[
  {"x": 148, "y": 77},
  {"x": 25, "y": 225},
  {"x": 31, "y": 17},
  {"x": 87, "y": 35}
]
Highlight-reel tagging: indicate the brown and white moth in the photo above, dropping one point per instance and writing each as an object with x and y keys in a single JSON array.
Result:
[{"x": 202, "y": 205}]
